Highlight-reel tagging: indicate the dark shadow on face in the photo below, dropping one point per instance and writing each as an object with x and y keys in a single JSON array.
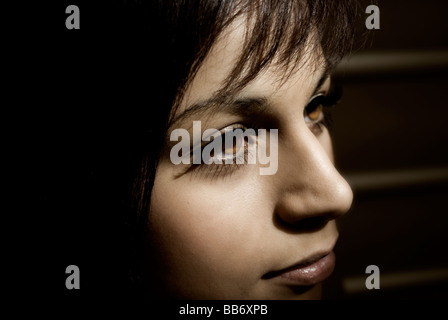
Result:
[
  {"x": 302, "y": 289},
  {"x": 305, "y": 225}
]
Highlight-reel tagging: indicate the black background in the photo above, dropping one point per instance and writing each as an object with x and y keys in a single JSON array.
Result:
[{"x": 62, "y": 87}]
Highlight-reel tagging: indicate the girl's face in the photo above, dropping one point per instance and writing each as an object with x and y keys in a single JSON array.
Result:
[{"x": 224, "y": 231}]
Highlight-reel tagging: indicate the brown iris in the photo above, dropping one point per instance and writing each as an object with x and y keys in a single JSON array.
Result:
[
  {"x": 233, "y": 148},
  {"x": 230, "y": 150},
  {"x": 315, "y": 113}
]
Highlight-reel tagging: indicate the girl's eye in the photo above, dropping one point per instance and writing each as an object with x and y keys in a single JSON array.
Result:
[
  {"x": 228, "y": 150},
  {"x": 317, "y": 113},
  {"x": 314, "y": 115},
  {"x": 313, "y": 112},
  {"x": 231, "y": 147}
]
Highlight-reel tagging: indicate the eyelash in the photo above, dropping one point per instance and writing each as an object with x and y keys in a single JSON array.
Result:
[
  {"x": 223, "y": 169},
  {"x": 325, "y": 101}
]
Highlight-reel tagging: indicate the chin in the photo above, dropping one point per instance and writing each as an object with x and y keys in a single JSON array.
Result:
[{"x": 313, "y": 293}]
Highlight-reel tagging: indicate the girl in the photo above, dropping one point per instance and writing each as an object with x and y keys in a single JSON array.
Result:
[{"x": 217, "y": 228}]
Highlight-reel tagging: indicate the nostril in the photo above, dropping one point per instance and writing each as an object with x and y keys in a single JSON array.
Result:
[{"x": 309, "y": 224}]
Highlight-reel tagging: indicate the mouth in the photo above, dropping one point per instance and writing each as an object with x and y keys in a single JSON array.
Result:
[{"x": 312, "y": 271}]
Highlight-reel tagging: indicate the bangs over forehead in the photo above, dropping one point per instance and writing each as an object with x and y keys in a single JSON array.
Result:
[{"x": 277, "y": 31}]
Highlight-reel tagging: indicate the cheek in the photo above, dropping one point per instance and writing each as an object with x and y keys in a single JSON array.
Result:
[{"x": 211, "y": 231}]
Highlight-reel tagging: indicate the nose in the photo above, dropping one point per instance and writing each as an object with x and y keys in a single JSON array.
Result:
[{"x": 311, "y": 190}]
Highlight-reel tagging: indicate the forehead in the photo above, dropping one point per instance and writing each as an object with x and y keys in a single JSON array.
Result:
[{"x": 225, "y": 53}]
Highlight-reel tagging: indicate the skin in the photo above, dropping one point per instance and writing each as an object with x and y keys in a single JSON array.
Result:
[{"x": 214, "y": 236}]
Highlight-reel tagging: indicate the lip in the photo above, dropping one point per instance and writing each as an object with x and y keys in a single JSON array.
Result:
[{"x": 313, "y": 271}]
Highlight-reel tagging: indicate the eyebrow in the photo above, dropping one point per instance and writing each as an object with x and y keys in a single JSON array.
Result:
[{"x": 240, "y": 106}]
